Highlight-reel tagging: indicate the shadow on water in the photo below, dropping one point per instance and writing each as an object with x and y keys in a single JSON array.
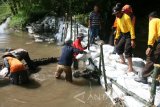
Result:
[
  {"x": 38, "y": 69},
  {"x": 33, "y": 84},
  {"x": 85, "y": 82},
  {"x": 81, "y": 81},
  {"x": 4, "y": 83}
]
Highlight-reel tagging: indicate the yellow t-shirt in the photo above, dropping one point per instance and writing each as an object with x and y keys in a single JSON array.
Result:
[
  {"x": 124, "y": 25},
  {"x": 154, "y": 31}
]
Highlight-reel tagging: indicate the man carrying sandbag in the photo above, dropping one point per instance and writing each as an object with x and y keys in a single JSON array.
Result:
[
  {"x": 66, "y": 59},
  {"x": 17, "y": 72},
  {"x": 21, "y": 54}
]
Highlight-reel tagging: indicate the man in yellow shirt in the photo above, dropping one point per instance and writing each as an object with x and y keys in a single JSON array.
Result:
[
  {"x": 125, "y": 29},
  {"x": 153, "y": 56}
]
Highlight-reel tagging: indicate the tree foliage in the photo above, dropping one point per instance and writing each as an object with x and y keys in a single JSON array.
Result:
[{"x": 60, "y": 7}]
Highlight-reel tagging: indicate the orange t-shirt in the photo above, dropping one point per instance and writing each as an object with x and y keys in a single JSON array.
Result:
[{"x": 15, "y": 65}]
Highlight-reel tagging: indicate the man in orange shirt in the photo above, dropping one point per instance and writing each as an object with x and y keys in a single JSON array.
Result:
[
  {"x": 17, "y": 72},
  {"x": 127, "y": 9}
]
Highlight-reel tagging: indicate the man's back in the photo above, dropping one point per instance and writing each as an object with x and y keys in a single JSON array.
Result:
[
  {"x": 66, "y": 56},
  {"x": 154, "y": 31}
]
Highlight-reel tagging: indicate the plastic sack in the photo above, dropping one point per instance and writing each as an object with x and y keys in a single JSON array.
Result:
[
  {"x": 90, "y": 67},
  {"x": 83, "y": 56},
  {"x": 4, "y": 72}
]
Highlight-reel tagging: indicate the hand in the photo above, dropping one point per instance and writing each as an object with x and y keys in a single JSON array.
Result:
[
  {"x": 133, "y": 44},
  {"x": 148, "y": 51},
  {"x": 115, "y": 42}
]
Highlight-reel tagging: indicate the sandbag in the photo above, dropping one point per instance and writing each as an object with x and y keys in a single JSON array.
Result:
[{"x": 4, "y": 72}]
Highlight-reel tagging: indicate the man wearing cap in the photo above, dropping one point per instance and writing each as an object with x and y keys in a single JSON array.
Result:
[
  {"x": 22, "y": 54},
  {"x": 17, "y": 72},
  {"x": 65, "y": 60},
  {"x": 153, "y": 55},
  {"x": 77, "y": 44},
  {"x": 94, "y": 24},
  {"x": 125, "y": 29},
  {"x": 127, "y": 9}
]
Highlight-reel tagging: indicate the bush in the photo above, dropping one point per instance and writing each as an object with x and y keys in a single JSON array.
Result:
[
  {"x": 5, "y": 12},
  {"x": 19, "y": 20},
  {"x": 26, "y": 16},
  {"x": 82, "y": 19}
]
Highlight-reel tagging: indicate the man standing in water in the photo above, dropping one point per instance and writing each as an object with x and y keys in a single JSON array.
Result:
[
  {"x": 153, "y": 56},
  {"x": 125, "y": 29},
  {"x": 94, "y": 24},
  {"x": 65, "y": 60}
]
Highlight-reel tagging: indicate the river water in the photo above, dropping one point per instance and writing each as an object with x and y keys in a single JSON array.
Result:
[{"x": 44, "y": 90}]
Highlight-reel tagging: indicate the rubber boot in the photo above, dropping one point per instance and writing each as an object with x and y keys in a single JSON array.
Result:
[{"x": 141, "y": 78}]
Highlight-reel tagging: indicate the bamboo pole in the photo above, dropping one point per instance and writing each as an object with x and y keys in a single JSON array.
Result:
[
  {"x": 71, "y": 28},
  {"x": 77, "y": 28},
  {"x": 104, "y": 74},
  {"x": 154, "y": 84},
  {"x": 120, "y": 86},
  {"x": 100, "y": 58},
  {"x": 88, "y": 40},
  {"x": 70, "y": 8},
  {"x": 130, "y": 93}
]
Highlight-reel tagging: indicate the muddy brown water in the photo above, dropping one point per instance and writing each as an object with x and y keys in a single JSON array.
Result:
[{"x": 44, "y": 90}]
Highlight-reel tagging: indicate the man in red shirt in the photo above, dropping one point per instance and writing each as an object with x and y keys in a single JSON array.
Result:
[{"x": 77, "y": 44}]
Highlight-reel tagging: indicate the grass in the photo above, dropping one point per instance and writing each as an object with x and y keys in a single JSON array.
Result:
[
  {"x": 26, "y": 15},
  {"x": 5, "y": 12},
  {"x": 82, "y": 19},
  {"x": 19, "y": 20}
]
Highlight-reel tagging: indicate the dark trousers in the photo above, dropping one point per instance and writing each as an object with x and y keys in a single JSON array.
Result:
[
  {"x": 19, "y": 78},
  {"x": 75, "y": 64},
  {"x": 124, "y": 45},
  {"x": 24, "y": 55},
  {"x": 94, "y": 32},
  {"x": 153, "y": 58}
]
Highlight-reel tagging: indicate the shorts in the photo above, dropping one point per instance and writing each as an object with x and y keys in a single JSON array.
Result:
[{"x": 124, "y": 45}]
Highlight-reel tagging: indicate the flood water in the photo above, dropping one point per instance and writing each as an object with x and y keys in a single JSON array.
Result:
[{"x": 44, "y": 90}]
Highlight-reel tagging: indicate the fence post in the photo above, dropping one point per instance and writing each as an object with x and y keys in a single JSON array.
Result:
[
  {"x": 100, "y": 58},
  {"x": 71, "y": 28},
  {"x": 77, "y": 28},
  {"x": 104, "y": 74},
  {"x": 154, "y": 83},
  {"x": 88, "y": 40}
]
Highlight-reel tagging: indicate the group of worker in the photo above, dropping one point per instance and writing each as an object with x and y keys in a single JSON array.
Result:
[
  {"x": 124, "y": 42},
  {"x": 123, "y": 39}
]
